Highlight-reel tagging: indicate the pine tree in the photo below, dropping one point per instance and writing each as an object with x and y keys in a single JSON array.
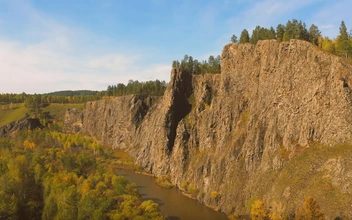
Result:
[
  {"x": 314, "y": 34},
  {"x": 255, "y": 35},
  {"x": 280, "y": 31},
  {"x": 343, "y": 44},
  {"x": 289, "y": 31},
  {"x": 244, "y": 38},
  {"x": 234, "y": 39}
]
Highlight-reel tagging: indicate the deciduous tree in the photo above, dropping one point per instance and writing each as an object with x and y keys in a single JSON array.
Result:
[
  {"x": 310, "y": 210},
  {"x": 258, "y": 210}
]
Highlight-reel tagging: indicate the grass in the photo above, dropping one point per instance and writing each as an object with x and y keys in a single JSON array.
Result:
[
  {"x": 17, "y": 111},
  {"x": 120, "y": 159},
  {"x": 14, "y": 114},
  {"x": 306, "y": 175},
  {"x": 57, "y": 111}
]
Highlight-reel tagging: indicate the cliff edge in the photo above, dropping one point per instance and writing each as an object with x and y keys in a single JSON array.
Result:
[{"x": 275, "y": 125}]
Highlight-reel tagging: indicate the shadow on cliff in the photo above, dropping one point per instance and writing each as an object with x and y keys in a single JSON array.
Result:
[{"x": 181, "y": 90}]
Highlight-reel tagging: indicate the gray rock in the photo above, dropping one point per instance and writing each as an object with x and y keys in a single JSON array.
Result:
[{"x": 25, "y": 123}]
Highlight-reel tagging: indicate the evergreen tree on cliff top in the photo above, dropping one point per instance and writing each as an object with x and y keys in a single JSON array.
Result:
[
  {"x": 234, "y": 39},
  {"x": 244, "y": 38},
  {"x": 314, "y": 34},
  {"x": 343, "y": 44}
]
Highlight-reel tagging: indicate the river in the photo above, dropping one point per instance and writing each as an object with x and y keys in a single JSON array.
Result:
[{"x": 172, "y": 202}]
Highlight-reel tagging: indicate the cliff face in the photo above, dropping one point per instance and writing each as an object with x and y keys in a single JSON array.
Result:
[
  {"x": 25, "y": 123},
  {"x": 274, "y": 125},
  {"x": 113, "y": 121}
]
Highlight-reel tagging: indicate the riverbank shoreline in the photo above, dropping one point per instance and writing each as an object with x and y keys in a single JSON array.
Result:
[{"x": 173, "y": 201}]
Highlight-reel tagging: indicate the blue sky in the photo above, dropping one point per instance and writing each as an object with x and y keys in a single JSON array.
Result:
[{"x": 52, "y": 45}]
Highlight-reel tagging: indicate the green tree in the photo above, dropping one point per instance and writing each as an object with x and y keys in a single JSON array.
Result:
[
  {"x": 255, "y": 35},
  {"x": 234, "y": 39},
  {"x": 289, "y": 31},
  {"x": 151, "y": 210},
  {"x": 175, "y": 64},
  {"x": 302, "y": 32},
  {"x": 272, "y": 33},
  {"x": 50, "y": 209},
  {"x": 261, "y": 33},
  {"x": 280, "y": 31},
  {"x": 8, "y": 206},
  {"x": 295, "y": 30},
  {"x": 244, "y": 38},
  {"x": 314, "y": 34},
  {"x": 343, "y": 44}
]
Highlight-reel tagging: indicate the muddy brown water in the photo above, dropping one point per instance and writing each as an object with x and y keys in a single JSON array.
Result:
[{"x": 172, "y": 202}]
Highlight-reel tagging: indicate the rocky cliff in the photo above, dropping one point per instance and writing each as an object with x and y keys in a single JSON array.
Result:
[
  {"x": 25, "y": 123},
  {"x": 275, "y": 125}
]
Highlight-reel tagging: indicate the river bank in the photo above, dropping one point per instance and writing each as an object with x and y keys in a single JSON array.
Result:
[{"x": 172, "y": 202}]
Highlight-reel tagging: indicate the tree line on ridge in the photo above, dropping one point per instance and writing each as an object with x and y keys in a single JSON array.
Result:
[{"x": 294, "y": 29}]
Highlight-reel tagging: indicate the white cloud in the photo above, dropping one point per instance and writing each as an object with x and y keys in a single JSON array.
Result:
[
  {"x": 112, "y": 62},
  {"x": 62, "y": 57},
  {"x": 38, "y": 69}
]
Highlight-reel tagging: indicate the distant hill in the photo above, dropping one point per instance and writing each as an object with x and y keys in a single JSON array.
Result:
[{"x": 73, "y": 93}]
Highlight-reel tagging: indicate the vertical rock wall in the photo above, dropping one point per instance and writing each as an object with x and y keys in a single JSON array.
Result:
[{"x": 268, "y": 127}]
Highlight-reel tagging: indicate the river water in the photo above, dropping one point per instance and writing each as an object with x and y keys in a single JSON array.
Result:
[{"x": 172, "y": 202}]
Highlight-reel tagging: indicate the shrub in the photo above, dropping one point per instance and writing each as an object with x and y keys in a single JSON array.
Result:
[
  {"x": 164, "y": 181},
  {"x": 214, "y": 195}
]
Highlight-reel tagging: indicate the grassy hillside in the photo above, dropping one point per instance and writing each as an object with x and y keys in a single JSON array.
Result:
[
  {"x": 57, "y": 111},
  {"x": 16, "y": 111}
]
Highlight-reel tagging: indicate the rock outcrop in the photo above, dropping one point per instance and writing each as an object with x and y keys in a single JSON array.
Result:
[
  {"x": 275, "y": 125},
  {"x": 25, "y": 123}
]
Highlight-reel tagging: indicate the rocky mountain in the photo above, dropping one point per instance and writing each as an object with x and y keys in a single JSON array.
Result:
[{"x": 275, "y": 125}]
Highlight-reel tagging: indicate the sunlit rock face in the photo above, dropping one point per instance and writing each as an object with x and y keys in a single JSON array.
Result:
[{"x": 275, "y": 125}]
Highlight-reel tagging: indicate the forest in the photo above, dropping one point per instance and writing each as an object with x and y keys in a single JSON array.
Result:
[
  {"x": 155, "y": 88},
  {"x": 294, "y": 29},
  {"x": 152, "y": 87},
  {"x": 212, "y": 65},
  {"x": 46, "y": 174}
]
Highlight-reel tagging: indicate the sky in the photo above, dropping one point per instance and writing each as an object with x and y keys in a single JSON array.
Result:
[{"x": 54, "y": 45}]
